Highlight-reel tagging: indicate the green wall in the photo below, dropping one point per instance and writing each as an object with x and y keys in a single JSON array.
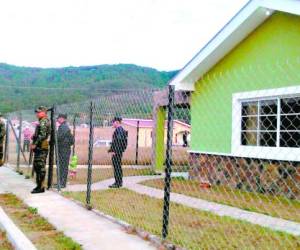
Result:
[
  {"x": 268, "y": 58},
  {"x": 159, "y": 157}
]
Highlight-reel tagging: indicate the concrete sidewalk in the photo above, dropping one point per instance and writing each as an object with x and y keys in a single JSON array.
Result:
[
  {"x": 132, "y": 183},
  {"x": 92, "y": 231}
]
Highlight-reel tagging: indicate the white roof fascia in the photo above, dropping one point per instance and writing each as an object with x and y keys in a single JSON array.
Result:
[
  {"x": 289, "y": 6},
  {"x": 224, "y": 46}
]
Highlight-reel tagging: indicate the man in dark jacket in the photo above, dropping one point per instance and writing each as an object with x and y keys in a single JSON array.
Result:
[
  {"x": 64, "y": 142},
  {"x": 118, "y": 146}
]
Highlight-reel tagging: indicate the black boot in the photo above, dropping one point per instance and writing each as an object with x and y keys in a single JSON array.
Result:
[
  {"x": 39, "y": 188},
  {"x": 37, "y": 179},
  {"x": 38, "y": 191},
  {"x": 115, "y": 185},
  {"x": 36, "y": 188}
]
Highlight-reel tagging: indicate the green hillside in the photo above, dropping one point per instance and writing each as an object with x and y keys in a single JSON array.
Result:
[{"x": 24, "y": 87}]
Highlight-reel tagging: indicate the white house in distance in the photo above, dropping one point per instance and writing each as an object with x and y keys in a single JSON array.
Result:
[{"x": 145, "y": 131}]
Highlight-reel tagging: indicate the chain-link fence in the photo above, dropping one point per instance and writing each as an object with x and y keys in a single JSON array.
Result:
[{"x": 213, "y": 168}]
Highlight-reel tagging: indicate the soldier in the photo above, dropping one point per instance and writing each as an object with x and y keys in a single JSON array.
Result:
[
  {"x": 40, "y": 146},
  {"x": 2, "y": 136},
  {"x": 64, "y": 141},
  {"x": 117, "y": 148}
]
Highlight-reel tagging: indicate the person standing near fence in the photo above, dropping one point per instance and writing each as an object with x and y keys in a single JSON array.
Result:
[
  {"x": 26, "y": 139},
  {"x": 2, "y": 137},
  {"x": 184, "y": 139},
  {"x": 65, "y": 140},
  {"x": 118, "y": 146},
  {"x": 40, "y": 146}
]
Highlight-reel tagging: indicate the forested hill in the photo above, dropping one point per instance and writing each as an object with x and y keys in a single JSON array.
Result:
[{"x": 25, "y": 87}]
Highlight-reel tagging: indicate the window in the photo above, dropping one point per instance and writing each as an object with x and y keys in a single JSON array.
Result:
[
  {"x": 271, "y": 122},
  {"x": 290, "y": 122},
  {"x": 266, "y": 124}
]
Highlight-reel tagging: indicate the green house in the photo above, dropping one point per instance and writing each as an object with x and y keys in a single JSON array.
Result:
[{"x": 244, "y": 87}]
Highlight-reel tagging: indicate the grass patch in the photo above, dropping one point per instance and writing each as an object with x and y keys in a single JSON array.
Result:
[
  {"x": 100, "y": 174},
  {"x": 189, "y": 228},
  {"x": 276, "y": 206},
  {"x": 107, "y": 173},
  {"x": 42, "y": 234},
  {"x": 4, "y": 243}
]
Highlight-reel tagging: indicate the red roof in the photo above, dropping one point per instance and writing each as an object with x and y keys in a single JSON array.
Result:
[{"x": 146, "y": 123}]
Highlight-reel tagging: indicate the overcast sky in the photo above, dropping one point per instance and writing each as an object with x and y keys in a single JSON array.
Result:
[{"x": 163, "y": 34}]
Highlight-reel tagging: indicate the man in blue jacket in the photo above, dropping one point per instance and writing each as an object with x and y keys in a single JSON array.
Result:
[{"x": 118, "y": 146}]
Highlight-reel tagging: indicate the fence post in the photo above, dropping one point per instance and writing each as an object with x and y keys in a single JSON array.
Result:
[
  {"x": 51, "y": 150},
  {"x": 6, "y": 148},
  {"x": 137, "y": 142},
  {"x": 19, "y": 142},
  {"x": 56, "y": 152},
  {"x": 90, "y": 158},
  {"x": 168, "y": 168}
]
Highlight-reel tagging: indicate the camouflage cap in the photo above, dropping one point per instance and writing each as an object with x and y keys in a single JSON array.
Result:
[{"x": 41, "y": 109}]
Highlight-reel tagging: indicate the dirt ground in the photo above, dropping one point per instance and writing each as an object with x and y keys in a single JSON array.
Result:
[{"x": 102, "y": 157}]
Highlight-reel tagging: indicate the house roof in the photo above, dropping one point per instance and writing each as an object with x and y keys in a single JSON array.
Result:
[
  {"x": 146, "y": 123},
  {"x": 253, "y": 14}
]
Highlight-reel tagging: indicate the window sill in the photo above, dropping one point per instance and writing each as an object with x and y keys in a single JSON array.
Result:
[{"x": 269, "y": 153}]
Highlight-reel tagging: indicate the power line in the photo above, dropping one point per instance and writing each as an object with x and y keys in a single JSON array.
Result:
[
  {"x": 83, "y": 89},
  {"x": 45, "y": 88}
]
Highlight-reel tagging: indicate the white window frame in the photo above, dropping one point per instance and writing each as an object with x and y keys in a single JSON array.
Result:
[{"x": 263, "y": 152}]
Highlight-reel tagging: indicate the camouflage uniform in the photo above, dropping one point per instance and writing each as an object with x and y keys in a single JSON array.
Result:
[
  {"x": 40, "y": 139},
  {"x": 2, "y": 137}
]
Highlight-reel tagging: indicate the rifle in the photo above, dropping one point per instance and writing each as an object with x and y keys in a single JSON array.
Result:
[{"x": 30, "y": 162}]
